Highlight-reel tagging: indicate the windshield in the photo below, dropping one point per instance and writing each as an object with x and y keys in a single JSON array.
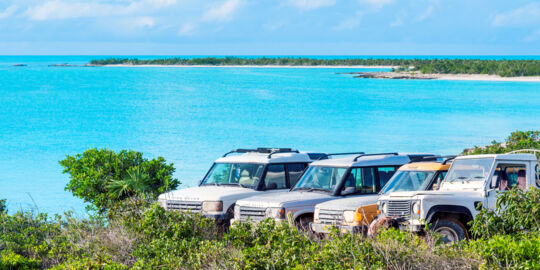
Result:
[
  {"x": 242, "y": 174},
  {"x": 467, "y": 170},
  {"x": 320, "y": 178},
  {"x": 408, "y": 181}
]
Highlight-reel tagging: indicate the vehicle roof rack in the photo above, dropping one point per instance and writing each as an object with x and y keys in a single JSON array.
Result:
[
  {"x": 448, "y": 158},
  {"x": 341, "y": 154},
  {"x": 432, "y": 158},
  {"x": 374, "y": 154},
  {"x": 536, "y": 151},
  {"x": 262, "y": 150}
]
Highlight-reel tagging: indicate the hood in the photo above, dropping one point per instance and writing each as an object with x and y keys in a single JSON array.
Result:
[
  {"x": 350, "y": 203},
  {"x": 410, "y": 194},
  {"x": 283, "y": 198},
  {"x": 208, "y": 193}
]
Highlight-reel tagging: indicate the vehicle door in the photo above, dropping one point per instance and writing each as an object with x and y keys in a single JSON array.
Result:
[{"x": 507, "y": 175}]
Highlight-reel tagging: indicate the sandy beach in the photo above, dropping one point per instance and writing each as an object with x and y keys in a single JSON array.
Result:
[{"x": 452, "y": 77}]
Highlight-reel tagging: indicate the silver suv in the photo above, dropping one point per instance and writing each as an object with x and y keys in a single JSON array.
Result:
[
  {"x": 240, "y": 174},
  {"x": 324, "y": 180}
]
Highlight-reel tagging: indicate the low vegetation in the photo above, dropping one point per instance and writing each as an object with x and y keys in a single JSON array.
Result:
[
  {"x": 132, "y": 231},
  {"x": 505, "y": 68}
]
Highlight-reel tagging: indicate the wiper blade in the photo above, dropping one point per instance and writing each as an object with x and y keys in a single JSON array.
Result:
[
  {"x": 302, "y": 188},
  {"x": 318, "y": 189}
]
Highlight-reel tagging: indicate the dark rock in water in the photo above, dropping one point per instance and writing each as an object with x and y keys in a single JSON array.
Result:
[
  {"x": 395, "y": 75},
  {"x": 61, "y": 65},
  {"x": 19, "y": 65}
]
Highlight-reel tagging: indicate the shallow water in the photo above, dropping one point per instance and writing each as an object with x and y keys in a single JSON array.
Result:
[{"x": 191, "y": 116}]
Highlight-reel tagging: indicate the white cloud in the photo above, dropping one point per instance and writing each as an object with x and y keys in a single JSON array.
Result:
[
  {"x": 223, "y": 12},
  {"x": 8, "y": 12},
  {"x": 426, "y": 14},
  {"x": 311, "y": 4},
  {"x": 526, "y": 15},
  {"x": 60, "y": 9},
  {"x": 186, "y": 29},
  {"x": 377, "y": 3},
  {"x": 351, "y": 22}
]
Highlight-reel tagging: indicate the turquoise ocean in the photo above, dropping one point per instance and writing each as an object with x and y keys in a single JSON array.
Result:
[{"x": 191, "y": 116}]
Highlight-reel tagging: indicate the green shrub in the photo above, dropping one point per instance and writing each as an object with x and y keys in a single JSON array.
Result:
[
  {"x": 515, "y": 212},
  {"x": 508, "y": 251},
  {"x": 103, "y": 177},
  {"x": 11, "y": 260}
]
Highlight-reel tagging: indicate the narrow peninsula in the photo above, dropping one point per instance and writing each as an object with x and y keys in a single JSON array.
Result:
[{"x": 432, "y": 69}]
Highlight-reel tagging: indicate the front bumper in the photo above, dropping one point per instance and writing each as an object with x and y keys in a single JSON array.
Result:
[
  {"x": 401, "y": 223},
  {"x": 326, "y": 228}
]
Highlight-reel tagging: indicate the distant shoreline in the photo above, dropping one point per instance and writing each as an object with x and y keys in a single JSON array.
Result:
[
  {"x": 448, "y": 77},
  {"x": 246, "y": 66}
]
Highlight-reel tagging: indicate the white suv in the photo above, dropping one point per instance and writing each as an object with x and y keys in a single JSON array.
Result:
[
  {"x": 232, "y": 177},
  {"x": 324, "y": 180},
  {"x": 471, "y": 180}
]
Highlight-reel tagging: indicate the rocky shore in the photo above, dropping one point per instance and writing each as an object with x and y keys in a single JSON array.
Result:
[{"x": 431, "y": 76}]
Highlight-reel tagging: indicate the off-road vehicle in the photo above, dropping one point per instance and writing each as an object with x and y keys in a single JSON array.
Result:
[
  {"x": 324, "y": 180},
  {"x": 471, "y": 181},
  {"x": 249, "y": 172},
  {"x": 354, "y": 214}
]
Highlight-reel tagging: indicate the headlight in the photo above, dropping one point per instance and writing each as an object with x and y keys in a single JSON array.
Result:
[
  {"x": 163, "y": 203},
  {"x": 212, "y": 206},
  {"x": 416, "y": 208},
  {"x": 349, "y": 216},
  {"x": 237, "y": 212},
  {"x": 275, "y": 212},
  {"x": 384, "y": 208}
]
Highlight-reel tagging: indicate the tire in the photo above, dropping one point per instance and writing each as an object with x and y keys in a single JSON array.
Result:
[
  {"x": 450, "y": 229},
  {"x": 304, "y": 222}
]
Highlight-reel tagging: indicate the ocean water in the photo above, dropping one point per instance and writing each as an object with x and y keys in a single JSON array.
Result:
[{"x": 191, "y": 116}]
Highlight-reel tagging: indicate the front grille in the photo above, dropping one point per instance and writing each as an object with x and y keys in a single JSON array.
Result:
[
  {"x": 330, "y": 216},
  {"x": 399, "y": 208},
  {"x": 194, "y": 207},
  {"x": 252, "y": 213}
]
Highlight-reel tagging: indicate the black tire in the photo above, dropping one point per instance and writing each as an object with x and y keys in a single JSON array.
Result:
[
  {"x": 450, "y": 229},
  {"x": 303, "y": 223}
]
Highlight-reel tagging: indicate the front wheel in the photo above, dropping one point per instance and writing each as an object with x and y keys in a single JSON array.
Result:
[
  {"x": 450, "y": 229},
  {"x": 304, "y": 223}
]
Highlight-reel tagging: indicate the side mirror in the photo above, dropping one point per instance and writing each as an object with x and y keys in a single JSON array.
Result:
[
  {"x": 271, "y": 186},
  {"x": 348, "y": 190}
]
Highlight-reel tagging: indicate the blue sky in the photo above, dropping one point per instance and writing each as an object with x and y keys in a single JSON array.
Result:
[{"x": 282, "y": 27}]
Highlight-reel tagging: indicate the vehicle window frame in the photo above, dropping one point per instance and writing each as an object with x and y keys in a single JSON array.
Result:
[
  {"x": 537, "y": 175},
  {"x": 507, "y": 163},
  {"x": 378, "y": 188},
  {"x": 262, "y": 183},
  {"x": 288, "y": 176}
]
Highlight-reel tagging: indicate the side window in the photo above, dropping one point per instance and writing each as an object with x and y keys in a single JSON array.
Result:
[
  {"x": 275, "y": 177},
  {"x": 385, "y": 173},
  {"x": 537, "y": 175},
  {"x": 295, "y": 171},
  {"x": 437, "y": 182},
  {"x": 508, "y": 176},
  {"x": 361, "y": 180}
]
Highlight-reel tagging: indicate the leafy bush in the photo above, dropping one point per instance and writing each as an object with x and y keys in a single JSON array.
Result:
[
  {"x": 516, "y": 141},
  {"x": 515, "y": 212},
  {"x": 103, "y": 177},
  {"x": 3, "y": 205},
  {"x": 508, "y": 251}
]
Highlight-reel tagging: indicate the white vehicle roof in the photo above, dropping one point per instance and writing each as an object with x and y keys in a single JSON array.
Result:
[
  {"x": 521, "y": 157},
  {"x": 369, "y": 160},
  {"x": 269, "y": 155}
]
